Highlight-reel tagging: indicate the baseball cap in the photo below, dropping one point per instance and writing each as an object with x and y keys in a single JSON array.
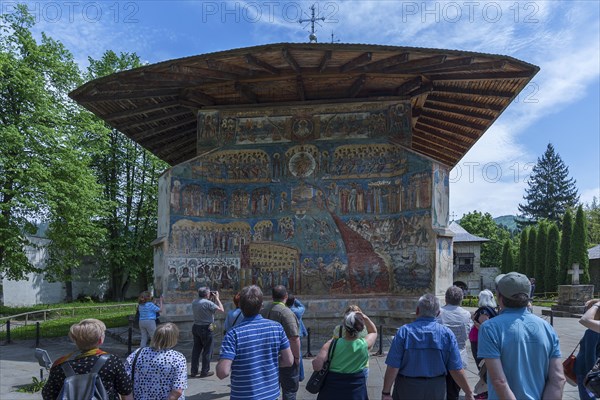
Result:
[{"x": 512, "y": 284}]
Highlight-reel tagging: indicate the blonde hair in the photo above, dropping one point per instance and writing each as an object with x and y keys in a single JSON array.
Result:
[
  {"x": 144, "y": 297},
  {"x": 87, "y": 333},
  {"x": 352, "y": 308},
  {"x": 165, "y": 337}
]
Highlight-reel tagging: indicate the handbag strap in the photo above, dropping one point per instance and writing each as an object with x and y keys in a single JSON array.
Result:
[
  {"x": 135, "y": 362},
  {"x": 575, "y": 349},
  {"x": 331, "y": 350}
]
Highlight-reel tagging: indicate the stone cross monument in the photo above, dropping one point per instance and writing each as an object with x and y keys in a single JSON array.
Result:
[{"x": 572, "y": 298}]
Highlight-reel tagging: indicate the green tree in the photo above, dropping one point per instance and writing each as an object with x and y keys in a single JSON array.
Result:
[
  {"x": 552, "y": 259},
  {"x": 531, "y": 246},
  {"x": 41, "y": 165},
  {"x": 592, "y": 213},
  {"x": 541, "y": 242},
  {"x": 129, "y": 177},
  {"x": 508, "y": 263},
  {"x": 550, "y": 190},
  {"x": 579, "y": 254},
  {"x": 523, "y": 251},
  {"x": 565, "y": 247},
  {"x": 479, "y": 224}
]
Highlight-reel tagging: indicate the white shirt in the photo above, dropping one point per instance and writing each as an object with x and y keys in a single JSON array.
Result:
[{"x": 458, "y": 320}]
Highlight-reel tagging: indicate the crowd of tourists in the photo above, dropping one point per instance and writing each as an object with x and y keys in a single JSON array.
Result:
[{"x": 517, "y": 353}]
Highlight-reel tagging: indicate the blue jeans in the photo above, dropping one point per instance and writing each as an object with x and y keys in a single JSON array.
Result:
[
  {"x": 288, "y": 378},
  {"x": 203, "y": 343}
]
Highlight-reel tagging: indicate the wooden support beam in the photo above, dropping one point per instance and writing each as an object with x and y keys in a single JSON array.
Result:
[
  {"x": 246, "y": 92},
  {"x": 197, "y": 97},
  {"x": 444, "y": 117},
  {"x": 423, "y": 89},
  {"x": 163, "y": 139},
  {"x": 463, "y": 103},
  {"x": 142, "y": 94},
  {"x": 356, "y": 62},
  {"x": 175, "y": 147},
  {"x": 325, "y": 60},
  {"x": 472, "y": 92},
  {"x": 148, "y": 133},
  {"x": 438, "y": 146},
  {"x": 456, "y": 129},
  {"x": 483, "y": 66},
  {"x": 452, "y": 110},
  {"x": 229, "y": 68},
  {"x": 486, "y": 76},
  {"x": 379, "y": 66},
  {"x": 462, "y": 144},
  {"x": 194, "y": 79},
  {"x": 435, "y": 140},
  {"x": 300, "y": 88},
  {"x": 290, "y": 60},
  {"x": 357, "y": 86},
  {"x": 154, "y": 118},
  {"x": 141, "y": 110},
  {"x": 250, "y": 59},
  {"x": 440, "y": 156},
  {"x": 204, "y": 72},
  {"x": 416, "y": 64},
  {"x": 447, "y": 65},
  {"x": 408, "y": 86}
]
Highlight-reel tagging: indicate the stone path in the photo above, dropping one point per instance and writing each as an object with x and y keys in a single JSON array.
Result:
[{"x": 18, "y": 366}]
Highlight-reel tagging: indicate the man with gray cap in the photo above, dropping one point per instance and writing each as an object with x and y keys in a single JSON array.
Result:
[{"x": 521, "y": 350}]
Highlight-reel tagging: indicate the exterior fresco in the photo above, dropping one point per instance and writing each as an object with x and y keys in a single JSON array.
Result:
[{"x": 322, "y": 199}]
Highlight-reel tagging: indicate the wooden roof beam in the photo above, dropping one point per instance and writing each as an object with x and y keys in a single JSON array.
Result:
[
  {"x": 155, "y": 118},
  {"x": 451, "y": 137},
  {"x": 438, "y": 145},
  {"x": 448, "y": 64},
  {"x": 483, "y": 66},
  {"x": 409, "y": 86},
  {"x": 148, "y": 133},
  {"x": 454, "y": 121},
  {"x": 424, "y": 88},
  {"x": 141, "y": 110},
  {"x": 358, "y": 84},
  {"x": 232, "y": 69},
  {"x": 435, "y": 154},
  {"x": 250, "y": 59},
  {"x": 459, "y": 130},
  {"x": 482, "y": 76},
  {"x": 173, "y": 148},
  {"x": 441, "y": 108},
  {"x": 379, "y": 66},
  {"x": 166, "y": 139},
  {"x": 325, "y": 60},
  {"x": 472, "y": 92},
  {"x": 416, "y": 64},
  {"x": 356, "y": 62},
  {"x": 203, "y": 72},
  {"x": 463, "y": 103},
  {"x": 290, "y": 60},
  {"x": 245, "y": 92},
  {"x": 142, "y": 94},
  {"x": 197, "y": 97},
  {"x": 178, "y": 77},
  {"x": 300, "y": 88},
  {"x": 448, "y": 142}
]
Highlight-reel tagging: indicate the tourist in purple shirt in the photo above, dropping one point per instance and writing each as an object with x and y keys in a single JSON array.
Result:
[{"x": 421, "y": 354}]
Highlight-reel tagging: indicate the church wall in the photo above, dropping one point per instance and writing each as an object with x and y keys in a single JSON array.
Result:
[{"x": 324, "y": 199}]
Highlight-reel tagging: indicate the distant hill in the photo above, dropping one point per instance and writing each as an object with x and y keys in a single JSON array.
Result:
[{"x": 509, "y": 221}]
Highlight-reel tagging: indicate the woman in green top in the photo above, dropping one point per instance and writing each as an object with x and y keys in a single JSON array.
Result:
[{"x": 346, "y": 378}]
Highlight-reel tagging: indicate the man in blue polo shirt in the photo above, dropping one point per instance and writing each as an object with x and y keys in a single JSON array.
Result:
[
  {"x": 253, "y": 351},
  {"x": 421, "y": 355},
  {"x": 521, "y": 350}
]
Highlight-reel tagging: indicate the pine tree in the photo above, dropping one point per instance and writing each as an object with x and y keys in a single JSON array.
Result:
[
  {"x": 579, "y": 254},
  {"x": 550, "y": 191},
  {"x": 531, "y": 251},
  {"x": 540, "y": 255},
  {"x": 523, "y": 251},
  {"x": 552, "y": 259},
  {"x": 565, "y": 248}
]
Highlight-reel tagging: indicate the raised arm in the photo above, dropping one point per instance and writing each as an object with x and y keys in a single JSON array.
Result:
[
  {"x": 588, "y": 318},
  {"x": 371, "y": 337},
  {"x": 218, "y": 303}
]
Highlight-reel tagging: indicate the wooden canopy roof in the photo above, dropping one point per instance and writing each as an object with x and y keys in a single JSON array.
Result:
[{"x": 455, "y": 95}]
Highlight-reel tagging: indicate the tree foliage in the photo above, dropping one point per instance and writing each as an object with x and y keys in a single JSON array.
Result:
[
  {"x": 550, "y": 190},
  {"x": 508, "y": 263},
  {"x": 531, "y": 246},
  {"x": 129, "y": 177},
  {"x": 565, "y": 247},
  {"x": 522, "y": 267},
  {"x": 541, "y": 243},
  {"x": 552, "y": 259},
  {"x": 480, "y": 224},
  {"x": 592, "y": 214},
  {"x": 579, "y": 254},
  {"x": 43, "y": 175}
]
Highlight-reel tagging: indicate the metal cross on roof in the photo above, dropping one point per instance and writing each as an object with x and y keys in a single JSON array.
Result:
[{"x": 312, "y": 37}]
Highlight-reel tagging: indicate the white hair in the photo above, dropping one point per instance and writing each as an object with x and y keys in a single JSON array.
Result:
[{"x": 486, "y": 299}]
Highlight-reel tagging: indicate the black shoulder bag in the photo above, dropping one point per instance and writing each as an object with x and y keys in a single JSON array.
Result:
[
  {"x": 592, "y": 379},
  {"x": 317, "y": 379}
]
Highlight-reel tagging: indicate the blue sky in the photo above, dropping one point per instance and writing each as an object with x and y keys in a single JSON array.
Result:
[{"x": 561, "y": 105}]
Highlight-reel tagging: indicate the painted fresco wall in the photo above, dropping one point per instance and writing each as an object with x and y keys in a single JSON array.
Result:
[{"x": 322, "y": 199}]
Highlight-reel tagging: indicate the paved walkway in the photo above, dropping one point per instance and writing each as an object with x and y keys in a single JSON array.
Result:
[{"x": 18, "y": 366}]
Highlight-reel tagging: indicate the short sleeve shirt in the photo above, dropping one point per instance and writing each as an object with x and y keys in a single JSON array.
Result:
[
  {"x": 524, "y": 343},
  {"x": 280, "y": 313},
  {"x": 157, "y": 372},
  {"x": 204, "y": 311},
  {"x": 114, "y": 377}
]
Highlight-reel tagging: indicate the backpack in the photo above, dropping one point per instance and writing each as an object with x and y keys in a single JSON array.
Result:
[{"x": 84, "y": 386}]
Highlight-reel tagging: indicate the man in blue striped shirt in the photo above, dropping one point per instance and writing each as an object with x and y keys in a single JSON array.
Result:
[{"x": 253, "y": 351}]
